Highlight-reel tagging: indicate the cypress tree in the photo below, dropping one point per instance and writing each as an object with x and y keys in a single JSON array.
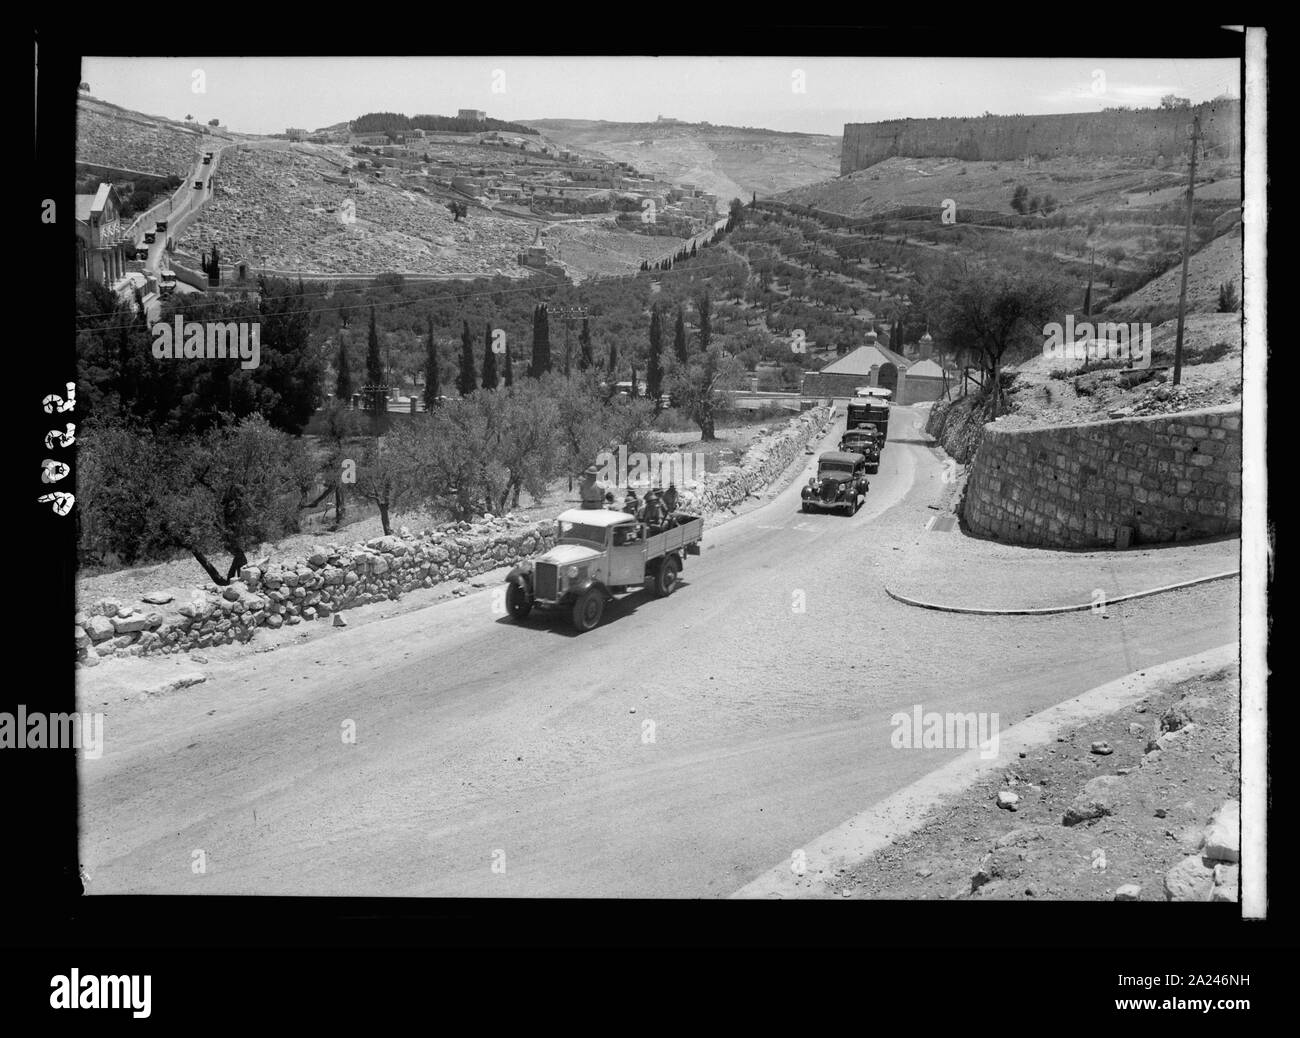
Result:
[
  {"x": 541, "y": 342},
  {"x": 374, "y": 363},
  {"x": 706, "y": 327},
  {"x": 466, "y": 382},
  {"x": 510, "y": 366},
  {"x": 585, "y": 357},
  {"x": 431, "y": 387},
  {"x": 654, "y": 368},
  {"x": 613, "y": 359},
  {"x": 343, "y": 388},
  {"x": 489, "y": 358},
  {"x": 679, "y": 337}
]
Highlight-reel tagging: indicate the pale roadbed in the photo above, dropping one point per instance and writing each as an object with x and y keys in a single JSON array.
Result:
[{"x": 481, "y": 742}]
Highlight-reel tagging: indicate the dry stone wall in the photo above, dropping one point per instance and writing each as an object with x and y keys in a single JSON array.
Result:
[
  {"x": 762, "y": 464},
  {"x": 333, "y": 578},
  {"x": 1159, "y": 478}
]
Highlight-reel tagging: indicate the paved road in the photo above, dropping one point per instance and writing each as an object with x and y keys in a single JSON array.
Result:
[{"x": 482, "y": 741}]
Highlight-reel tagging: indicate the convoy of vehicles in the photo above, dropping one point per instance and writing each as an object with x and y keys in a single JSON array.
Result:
[
  {"x": 841, "y": 483},
  {"x": 601, "y": 554}
]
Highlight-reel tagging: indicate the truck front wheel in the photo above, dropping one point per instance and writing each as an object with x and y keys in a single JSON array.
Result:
[
  {"x": 517, "y": 601},
  {"x": 588, "y": 610}
]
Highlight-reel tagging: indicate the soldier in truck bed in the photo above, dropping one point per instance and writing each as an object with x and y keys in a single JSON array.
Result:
[{"x": 593, "y": 493}]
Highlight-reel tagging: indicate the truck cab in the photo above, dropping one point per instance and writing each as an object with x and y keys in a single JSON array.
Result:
[{"x": 598, "y": 555}]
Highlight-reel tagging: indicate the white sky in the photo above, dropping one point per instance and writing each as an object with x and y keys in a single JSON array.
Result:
[{"x": 267, "y": 95}]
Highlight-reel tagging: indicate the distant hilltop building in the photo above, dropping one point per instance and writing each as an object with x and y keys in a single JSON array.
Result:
[
  {"x": 1149, "y": 134},
  {"x": 295, "y": 134},
  {"x": 472, "y": 113}
]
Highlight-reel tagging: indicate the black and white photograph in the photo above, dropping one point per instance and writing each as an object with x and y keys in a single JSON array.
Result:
[{"x": 666, "y": 478}]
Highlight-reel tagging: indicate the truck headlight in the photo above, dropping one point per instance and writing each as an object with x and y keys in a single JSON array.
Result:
[{"x": 571, "y": 572}]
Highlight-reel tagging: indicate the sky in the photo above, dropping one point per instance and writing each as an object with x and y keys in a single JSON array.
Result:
[{"x": 809, "y": 95}]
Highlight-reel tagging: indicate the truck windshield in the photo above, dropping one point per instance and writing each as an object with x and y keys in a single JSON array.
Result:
[{"x": 582, "y": 532}]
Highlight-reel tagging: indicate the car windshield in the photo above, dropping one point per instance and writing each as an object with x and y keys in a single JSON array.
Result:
[
  {"x": 834, "y": 470},
  {"x": 582, "y": 532}
]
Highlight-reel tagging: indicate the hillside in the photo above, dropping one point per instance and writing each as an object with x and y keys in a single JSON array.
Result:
[
  {"x": 271, "y": 203},
  {"x": 1207, "y": 269},
  {"x": 901, "y": 181},
  {"x": 729, "y": 161},
  {"x": 1123, "y": 218},
  {"x": 114, "y": 136}
]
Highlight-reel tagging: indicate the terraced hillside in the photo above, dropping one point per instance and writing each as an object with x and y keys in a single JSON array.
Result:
[
  {"x": 1117, "y": 220},
  {"x": 729, "y": 161},
  {"x": 114, "y": 136}
]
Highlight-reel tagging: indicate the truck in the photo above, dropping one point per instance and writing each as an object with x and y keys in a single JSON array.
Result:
[
  {"x": 869, "y": 406},
  {"x": 600, "y": 555},
  {"x": 166, "y": 283}
]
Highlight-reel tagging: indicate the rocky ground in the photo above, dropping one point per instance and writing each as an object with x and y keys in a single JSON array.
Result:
[
  {"x": 1212, "y": 375},
  {"x": 115, "y": 137},
  {"x": 1140, "y": 805},
  {"x": 272, "y": 205}
]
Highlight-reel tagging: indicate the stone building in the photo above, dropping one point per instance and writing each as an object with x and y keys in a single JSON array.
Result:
[{"x": 104, "y": 246}]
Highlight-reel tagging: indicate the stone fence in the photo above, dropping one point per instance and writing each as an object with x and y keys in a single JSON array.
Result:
[
  {"x": 337, "y": 577},
  {"x": 1145, "y": 480}
]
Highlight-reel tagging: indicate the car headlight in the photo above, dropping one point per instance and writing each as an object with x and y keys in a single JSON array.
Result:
[{"x": 571, "y": 572}]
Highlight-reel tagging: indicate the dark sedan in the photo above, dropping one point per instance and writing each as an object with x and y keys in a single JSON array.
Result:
[{"x": 841, "y": 483}]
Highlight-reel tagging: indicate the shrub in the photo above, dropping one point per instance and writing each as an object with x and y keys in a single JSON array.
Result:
[{"x": 1229, "y": 301}]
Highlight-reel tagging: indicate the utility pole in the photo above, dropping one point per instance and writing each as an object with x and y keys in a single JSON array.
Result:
[{"x": 1187, "y": 241}]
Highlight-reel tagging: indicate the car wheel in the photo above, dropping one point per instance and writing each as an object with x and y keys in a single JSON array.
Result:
[
  {"x": 588, "y": 610},
  {"x": 666, "y": 576},
  {"x": 803, "y": 506},
  {"x": 517, "y": 601}
]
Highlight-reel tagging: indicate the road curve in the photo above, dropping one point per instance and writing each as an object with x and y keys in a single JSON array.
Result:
[{"x": 676, "y": 751}]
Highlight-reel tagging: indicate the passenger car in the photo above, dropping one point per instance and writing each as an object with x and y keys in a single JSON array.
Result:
[
  {"x": 841, "y": 483},
  {"x": 866, "y": 441}
]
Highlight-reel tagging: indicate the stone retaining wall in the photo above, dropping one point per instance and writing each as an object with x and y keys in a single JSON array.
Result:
[
  {"x": 1159, "y": 478},
  {"x": 332, "y": 578}
]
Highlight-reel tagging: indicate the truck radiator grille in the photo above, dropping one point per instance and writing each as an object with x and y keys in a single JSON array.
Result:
[{"x": 545, "y": 581}]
